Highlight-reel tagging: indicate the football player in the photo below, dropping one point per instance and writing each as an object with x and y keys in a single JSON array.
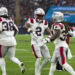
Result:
[
  {"x": 36, "y": 26},
  {"x": 70, "y": 30},
  {"x": 60, "y": 31},
  {"x": 7, "y": 40}
]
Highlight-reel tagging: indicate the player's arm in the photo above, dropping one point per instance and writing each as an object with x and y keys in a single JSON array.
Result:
[
  {"x": 52, "y": 38},
  {"x": 0, "y": 25},
  {"x": 15, "y": 29},
  {"x": 27, "y": 27},
  {"x": 55, "y": 35},
  {"x": 70, "y": 32},
  {"x": 48, "y": 31}
]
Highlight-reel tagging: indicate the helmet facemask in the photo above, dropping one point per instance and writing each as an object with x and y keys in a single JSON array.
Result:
[
  {"x": 39, "y": 18},
  {"x": 39, "y": 14}
]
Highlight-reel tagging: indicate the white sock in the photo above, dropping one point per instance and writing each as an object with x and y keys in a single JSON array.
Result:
[
  {"x": 2, "y": 64},
  {"x": 45, "y": 62},
  {"x": 69, "y": 54},
  {"x": 37, "y": 66},
  {"x": 69, "y": 68},
  {"x": 52, "y": 69},
  {"x": 15, "y": 60}
]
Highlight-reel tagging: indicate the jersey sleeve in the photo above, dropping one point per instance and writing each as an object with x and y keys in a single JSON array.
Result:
[
  {"x": 16, "y": 27},
  {"x": 46, "y": 24},
  {"x": 0, "y": 24},
  {"x": 57, "y": 26},
  {"x": 30, "y": 21}
]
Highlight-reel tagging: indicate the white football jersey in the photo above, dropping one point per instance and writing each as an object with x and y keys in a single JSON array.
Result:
[
  {"x": 61, "y": 40},
  {"x": 38, "y": 29},
  {"x": 7, "y": 32}
]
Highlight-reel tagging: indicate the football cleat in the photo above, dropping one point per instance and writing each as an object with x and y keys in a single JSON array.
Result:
[{"x": 22, "y": 68}]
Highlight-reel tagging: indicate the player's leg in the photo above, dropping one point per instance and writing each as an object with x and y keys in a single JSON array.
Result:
[
  {"x": 37, "y": 53},
  {"x": 45, "y": 53},
  {"x": 69, "y": 54},
  {"x": 2, "y": 65},
  {"x": 11, "y": 56},
  {"x": 65, "y": 65},
  {"x": 58, "y": 67},
  {"x": 53, "y": 63},
  {"x": 52, "y": 69},
  {"x": 69, "y": 68},
  {"x": 3, "y": 51}
]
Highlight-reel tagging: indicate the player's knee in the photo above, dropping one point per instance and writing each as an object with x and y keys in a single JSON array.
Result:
[
  {"x": 11, "y": 58},
  {"x": 65, "y": 64},
  {"x": 38, "y": 60},
  {"x": 47, "y": 59},
  {"x": 2, "y": 61}
]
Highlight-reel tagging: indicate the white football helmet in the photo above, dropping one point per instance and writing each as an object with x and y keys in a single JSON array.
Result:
[
  {"x": 3, "y": 11},
  {"x": 58, "y": 17},
  {"x": 39, "y": 14}
]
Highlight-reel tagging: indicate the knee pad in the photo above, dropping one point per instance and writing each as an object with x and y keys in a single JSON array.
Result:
[
  {"x": 11, "y": 58},
  {"x": 38, "y": 59},
  {"x": 47, "y": 60}
]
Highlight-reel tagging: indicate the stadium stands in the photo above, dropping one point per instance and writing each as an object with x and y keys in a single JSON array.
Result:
[{"x": 27, "y": 7}]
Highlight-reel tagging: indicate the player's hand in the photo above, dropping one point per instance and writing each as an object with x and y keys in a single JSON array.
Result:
[
  {"x": 70, "y": 33},
  {"x": 44, "y": 41}
]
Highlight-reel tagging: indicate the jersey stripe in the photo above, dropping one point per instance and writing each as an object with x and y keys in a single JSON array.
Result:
[
  {"x": 46, "y": 23},
  {"x": 0, "y": 51},
  {"x": 34, "y": 51},
  {"x": 62, "y": 55},
  {"x": 31, "y": 20},
  {"x": 60, "y": 25},
  {"x": 0, "y": 19}
]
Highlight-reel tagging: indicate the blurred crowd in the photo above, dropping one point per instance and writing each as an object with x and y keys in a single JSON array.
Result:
[{"x": 27, "y": 7}]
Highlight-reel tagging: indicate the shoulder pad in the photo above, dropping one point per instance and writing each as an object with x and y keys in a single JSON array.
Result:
[
  {"x": 12, "y": 18},
  {"x": 31, "y": 20},
  {"x": 70, "y": 28},
  {"x": 46, "y": 22},
  {"x": 0, "y": 19},
  {"x": 58, "y": 26}
]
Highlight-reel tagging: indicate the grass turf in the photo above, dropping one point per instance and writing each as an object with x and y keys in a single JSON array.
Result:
[{"x": 24, "y": 54}]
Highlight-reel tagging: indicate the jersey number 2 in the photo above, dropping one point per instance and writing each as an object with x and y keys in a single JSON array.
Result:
[{"x": 38, "y": 31}]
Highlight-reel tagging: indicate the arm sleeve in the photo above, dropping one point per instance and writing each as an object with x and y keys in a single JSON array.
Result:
[
  {"x": 0, "y": 26},
  {"x": 28, "y": 21},
  {"x": 46, "y": 24},
  {"x": 15, "y": 26}
]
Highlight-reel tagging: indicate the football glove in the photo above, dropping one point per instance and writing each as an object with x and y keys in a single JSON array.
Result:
[
  {"x": 70, "y": 33},
  {"x": 44, "y": 41}
]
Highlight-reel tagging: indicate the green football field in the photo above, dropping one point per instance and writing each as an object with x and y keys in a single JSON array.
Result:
[{"x": 24, "y": 53}]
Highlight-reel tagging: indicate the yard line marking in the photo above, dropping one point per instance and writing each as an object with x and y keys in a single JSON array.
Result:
[
  {"x": 21, "y": 49},
  {"x": 34, "y": 68}
]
